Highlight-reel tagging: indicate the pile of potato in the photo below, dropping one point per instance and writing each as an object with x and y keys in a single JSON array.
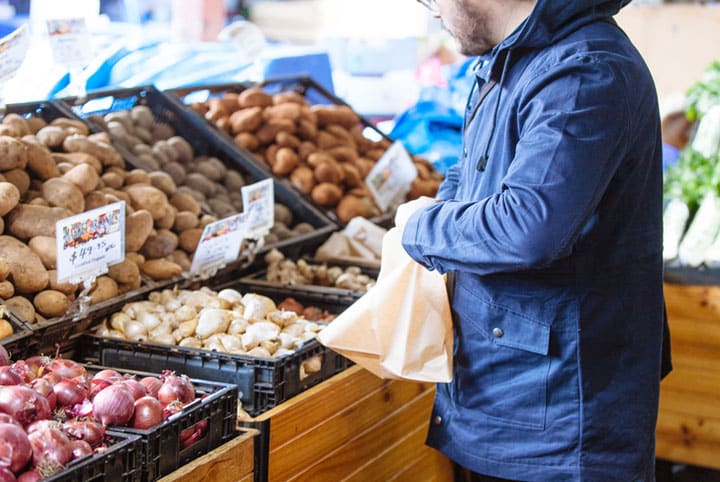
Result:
[
  {"x": 206, "y": 179},
  {"x": 225, "y": 321},
  {"x": 289, "y": 272},
  {"x": 52, "y": 171},
  {"x": 320, "y": 148}
]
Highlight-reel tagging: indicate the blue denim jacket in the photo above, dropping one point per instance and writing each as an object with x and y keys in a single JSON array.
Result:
[{"x": 552, "y": 225}]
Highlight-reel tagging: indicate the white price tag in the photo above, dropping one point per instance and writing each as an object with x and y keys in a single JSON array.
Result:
[
  {"x": 89, "y": 242},
  {"x": 219, "y": 244},
  {"x": 389, "y": 181},
  {"x": 259, "y": 205},
  {"x": 69, "y": 41},
  {"x": 12, "y": 51}
]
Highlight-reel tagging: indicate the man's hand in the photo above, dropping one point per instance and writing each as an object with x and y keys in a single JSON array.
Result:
[{"x": 404, "y": 211}]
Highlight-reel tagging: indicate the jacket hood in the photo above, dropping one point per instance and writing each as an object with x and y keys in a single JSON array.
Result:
[{"x": 551, "y": 19}]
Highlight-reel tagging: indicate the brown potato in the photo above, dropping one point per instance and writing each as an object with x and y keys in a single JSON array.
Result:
[
  {"x": 22, "y": 307},
  {"x": 125, "y": 272},
  {"x": 148, "y": 197},
  {"x": 62, "y": 193},
  {"x": 26, "y": 268},
  {"x": 286, "y": 160},
  {"x": 185, "y": 202},
  {"x": 4, "y": 269},
  {"x": 161, "y": 269},
  {"x": 9, "y": 197},
  {"x": 7, "y": 290},
  {"x": 27, "y": 221},
  {"x": 138, "y": 227},
  {"x": 105, "y": 288},
  {"x": 46, "y": 249},
  {"x": 303, "y": 179},
  {"x": 40, "y": 161},
  {"x": 326, "y": 194},
  {"x": 63, "y": 287},
  {"x": 163, "y": 181},
  {"x": 13, "y": 154},
  {"x": 51, "y": 303},
  {"x": 84, "y": 177},
  {"x": 159, "y": 245},
  {"x": 189, "y": 239}
]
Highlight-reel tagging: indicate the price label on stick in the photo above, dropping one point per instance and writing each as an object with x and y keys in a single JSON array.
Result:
[
  {"x": 69, "y": 41},
  {"x": 219, "y": 244},
  {"x": 389, "y": 180},
  {"x": 12, "y": 51},
  {"x": 259, "y": 205},
  {"x": 89, "y": 242}
]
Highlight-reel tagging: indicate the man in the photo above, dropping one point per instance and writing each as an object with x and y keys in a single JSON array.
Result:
[{"x": 550, "y": 227}]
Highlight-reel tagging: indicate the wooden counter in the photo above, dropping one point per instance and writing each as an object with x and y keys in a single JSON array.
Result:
[
  {"x": 688, "y": 428},
  {"x": 352, "y": 427}
]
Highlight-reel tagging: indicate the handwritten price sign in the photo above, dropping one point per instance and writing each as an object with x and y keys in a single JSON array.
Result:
[{"x": 89, "y": 242}]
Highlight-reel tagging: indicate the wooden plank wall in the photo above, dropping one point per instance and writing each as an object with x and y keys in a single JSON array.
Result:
[
  {"x": 688, "y": 428},
  {"x": 354, "y": 427}
]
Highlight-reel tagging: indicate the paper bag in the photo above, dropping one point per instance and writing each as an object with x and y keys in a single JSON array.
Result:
[{"x": 402, "y": 328}]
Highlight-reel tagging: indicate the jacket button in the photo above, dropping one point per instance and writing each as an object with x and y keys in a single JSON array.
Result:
[
  {"x": 498, "y": 332},
  {"x": 437, "y": 420},
  {"x": 465, "y": 151}
]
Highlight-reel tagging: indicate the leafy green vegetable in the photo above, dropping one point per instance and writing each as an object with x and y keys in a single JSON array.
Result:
[{"x": 692, "y": 177}]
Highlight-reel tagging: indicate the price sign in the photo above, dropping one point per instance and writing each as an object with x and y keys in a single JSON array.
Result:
[
  {"x": 259, "y": 205},
  {"x": 12, "y": 51},
  {"x": 389, "y": 181},
  {"x": 69, "y": 41},
  {"x": 89, "y": 242},
  {"x": 219, "y": 244}
]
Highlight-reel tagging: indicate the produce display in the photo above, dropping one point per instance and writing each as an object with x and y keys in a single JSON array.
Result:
[
  {"x": 321, "y": 149},
  {"x": 53, "y": 411},
  {"x": 301, "y": 272},
  {"x": 54, "y": 170},
  {"x": 225, "y": 321},
  {"x": 213, "y": 186},
  {"x": 692, "y": 186}
]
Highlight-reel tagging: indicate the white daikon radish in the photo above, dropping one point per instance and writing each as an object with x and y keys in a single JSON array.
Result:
[
  {"x": 675, "y": 218},
  {"x": 702, "y": 232}
]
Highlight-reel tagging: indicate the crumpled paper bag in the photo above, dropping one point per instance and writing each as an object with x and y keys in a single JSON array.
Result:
[
  {"x": 402, "y": 328},
  {"x": 359, "y": 243}
]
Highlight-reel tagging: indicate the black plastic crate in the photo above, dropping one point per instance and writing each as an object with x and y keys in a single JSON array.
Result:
[
  {"x": 161, "y": 447},
  {"x": 262, "y": 383},
  {"x": 18, "y": 345},
  {"x": 307, "y": 87},
  {"x": 204, "y": 141},
  {"x": 119, "y": 463}
]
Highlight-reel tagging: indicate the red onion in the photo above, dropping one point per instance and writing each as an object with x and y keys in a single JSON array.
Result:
[
  {"x": 53, "y": 378},
  {"x": 97, "y": 384},
  {"x": 4, "y": 356},
  {"x": 40, "y": 425},
  {"x": 137, "y": 389},
  {"x": 15, "y": 449},
  {"x": 114, "y": 405},
  {"x": 45, "y": 388},
  {"x": 172, "y": 408},
  {"x": 37, "y": 364},
  {"x": 90, "y": 432},
  {"x": 7, "y": 476},
  {"x": 23, "y": 404},
  {"x": 83, "y": 409},
  {"x": 66, "y": 368},
  {"x": 109, "y": 375},
  {"x": 175, "y": 388},
  {"x": 5, "y": 418},
  {"x": 30, "y": 476},
  {"x": 51, "y": 450},
  {"x": 148, "y": 413},
  {"x": 70, "y": 392},
  {"x": 191, "y": 435},
  {"x": 24, "y": 370},
  {"x": 10, "y": 376},
  {"x": 80, "y": 448},
  {"x": 152, "y": 385}
]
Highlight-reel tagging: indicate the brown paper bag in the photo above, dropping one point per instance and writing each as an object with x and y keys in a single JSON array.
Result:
[{"x": 402, "y": 328}]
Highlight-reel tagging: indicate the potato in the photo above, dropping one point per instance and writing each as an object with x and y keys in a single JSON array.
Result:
[
  {"x": 26, "y": 268},
  {"x": 286, "y": 160},
  {"x": 105, "y": 153},
  {"x": 159, "y": 245},
  {"x": 246, "y": 120},
  {"x": 199, "y": 182},
  {"x": 51, "y": 303},
  {"x": 267, "y": 133},
  {"x": 350, "y": 207},
  {"x": 4, "y": 269},
  {"x": 71, "y": 125},
  {"x": 148, "y": 197},
  {"x": 22, "y": 307},
  {"x": 221, "y": 208},
  {"x": 287, "y": 110},
  {"x": 17, "y": 123},
  {"x": 168, "y": 220},
  {"x": 104, "y": 289},
  {"x": 63, "y": 287},
  {"x": 176, "y": 171},
  {"x": 182, "y": 147},
  {"x": 335, "y": 114},
  {"x": 13, "y": 154},
  {"x": 9, "y": 197},
  {"x": 62, "y": 193},
  {"x": 189, "y": 239},
  {"x": 283, "y": 214},
  {"x": 181, "y": 258},
  {"x": 7, "y": 290},
  {"x": 136, "y": 258},
  {"x": 27, "y": 221},
  {"x": 46, "y": 249},
  {"x": 254, "y": 97},
  {"x": 138, "y": 227},
  {"x": 137, "y": 176},
  {"x": 77, "y": 158},
  {"x": 40, "y": 161},
  {"x": 185, "y": 220},
  {"x": 161, "y": 269},
  {"x": 247, "y": 140},
  {"x": 84, "y": 177},
  {"x": 163, "y": 181},
  {"x": 125, "y": 272},
  {"x": 326, "y": 194},
  {"x": 142, "y": 116}
]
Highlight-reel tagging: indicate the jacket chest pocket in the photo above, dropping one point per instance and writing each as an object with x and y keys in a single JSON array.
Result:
[{"x": 501, "y": 362}]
